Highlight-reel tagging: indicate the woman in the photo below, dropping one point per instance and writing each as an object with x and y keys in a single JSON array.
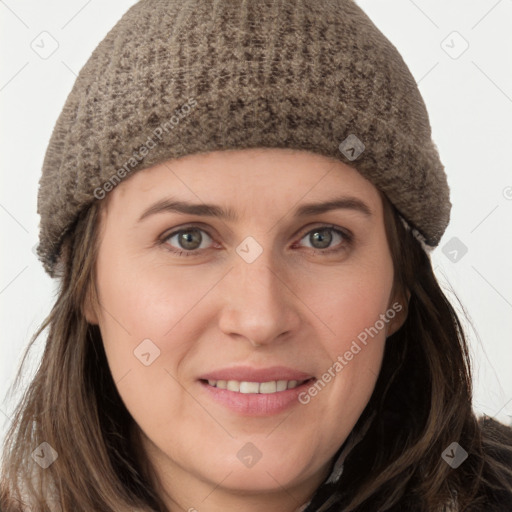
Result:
[{"x": 239, "y": 200}]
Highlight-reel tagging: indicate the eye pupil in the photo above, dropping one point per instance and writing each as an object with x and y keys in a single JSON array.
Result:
[
  {"x": 319, "y": 236},
  {"x": 187, "y": 237}
]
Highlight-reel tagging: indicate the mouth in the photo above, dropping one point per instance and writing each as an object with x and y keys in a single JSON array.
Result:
[
  {"x": 252, "y": 391},
  {"x": 255, "y": 398},
  {"x": 248, "y": 387}
]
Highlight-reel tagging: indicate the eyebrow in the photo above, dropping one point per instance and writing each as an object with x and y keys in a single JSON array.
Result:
[{"x": 212, "y": 210}]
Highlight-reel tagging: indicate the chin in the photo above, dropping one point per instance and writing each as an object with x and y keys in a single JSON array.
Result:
[
  {"x": 257, "y": 481},
  {"x": 264, "y": 476}
]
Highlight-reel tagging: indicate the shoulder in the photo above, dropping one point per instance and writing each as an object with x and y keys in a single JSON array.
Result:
[
  {"x": 495, "y": 492},
  {"x": 497, "y": 441},
  {"x": 495, "y": 428}
]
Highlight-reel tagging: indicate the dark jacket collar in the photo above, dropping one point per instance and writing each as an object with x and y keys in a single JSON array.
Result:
[{"x": 337, "y": 466}]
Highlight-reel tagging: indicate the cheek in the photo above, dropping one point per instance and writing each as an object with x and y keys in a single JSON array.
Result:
[
  {"x": 142, "y": 331},
  {"x": 357, "y": 313},
  {"x": 142, "y": 326},
  {"x": 350, "y": 302},
  {"x": 140, "y": 301}
]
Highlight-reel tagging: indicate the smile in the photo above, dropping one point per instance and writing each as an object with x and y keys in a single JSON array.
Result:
[{"x": 273, "y": 386}]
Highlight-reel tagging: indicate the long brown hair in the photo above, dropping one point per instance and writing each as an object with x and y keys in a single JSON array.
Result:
[{"x": 422, "y": 399}]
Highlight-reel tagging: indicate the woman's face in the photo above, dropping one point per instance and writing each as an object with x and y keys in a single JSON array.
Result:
[{"x": 276, "y": 288}]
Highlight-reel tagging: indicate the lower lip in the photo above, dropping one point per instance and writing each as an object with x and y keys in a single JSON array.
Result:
[{"x": 256, "y": 404}]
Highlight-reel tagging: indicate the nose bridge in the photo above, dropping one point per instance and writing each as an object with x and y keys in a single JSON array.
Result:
[
  {"x": 261, "y": 280},
  {"x": 258, "y": 305},
  {"x": 257, "y": 270},
  {"x": 262, "y": 283}
]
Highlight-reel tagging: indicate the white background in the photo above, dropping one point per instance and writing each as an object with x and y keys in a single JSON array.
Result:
[{"x": 469, "y": 99}]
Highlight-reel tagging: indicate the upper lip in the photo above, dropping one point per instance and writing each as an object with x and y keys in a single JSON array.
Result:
[{"x": 249, "y": 374}]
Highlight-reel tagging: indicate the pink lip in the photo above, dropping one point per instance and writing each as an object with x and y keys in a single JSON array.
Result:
[
  {"x": 248, "y": 374},
  {"x": 255, "y": 404}
]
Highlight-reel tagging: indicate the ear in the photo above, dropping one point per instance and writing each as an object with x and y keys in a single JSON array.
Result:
[
  {"x": 88, "y": 307},
  {"x": 90, "y": 314},
  {"x": 399, "y": 304}
]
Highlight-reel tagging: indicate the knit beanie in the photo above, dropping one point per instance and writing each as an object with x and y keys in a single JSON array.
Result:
[{"x": 176, "y": 77}]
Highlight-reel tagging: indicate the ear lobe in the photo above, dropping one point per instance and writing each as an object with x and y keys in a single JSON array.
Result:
[
  {"x": 88, "y": 309},
  {"x": 401, "y": 314},
  {"x": 89, "y": 314}
]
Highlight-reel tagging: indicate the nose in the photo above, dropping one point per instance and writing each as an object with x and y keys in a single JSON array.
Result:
[{"x": 260, "y": 306}]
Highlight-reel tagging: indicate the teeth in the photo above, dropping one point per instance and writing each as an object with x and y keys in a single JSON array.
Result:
[
  {"x": 233, "y": 385},
  {"x": 282, "y": 385},
  {"x": 249, "y": 387},
  {"x": 272, "y": 386},
  {"x": 268, "y": 387}
]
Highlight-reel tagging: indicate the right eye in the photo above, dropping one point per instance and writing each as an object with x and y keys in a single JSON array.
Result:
[{"x": 188, "y": 240}]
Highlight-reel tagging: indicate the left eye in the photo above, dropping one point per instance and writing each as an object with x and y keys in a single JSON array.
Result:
[
  {"x": 189, "y": 240},
  {"x": 323, "y": 236}
]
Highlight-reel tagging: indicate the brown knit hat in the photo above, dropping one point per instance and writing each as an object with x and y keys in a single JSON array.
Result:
[{"x": 174, "y": 78}]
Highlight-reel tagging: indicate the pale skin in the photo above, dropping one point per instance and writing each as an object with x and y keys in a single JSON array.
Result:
[{"x": 290, "y": 306}]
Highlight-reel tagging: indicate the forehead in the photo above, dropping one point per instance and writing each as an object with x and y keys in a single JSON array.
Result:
[{"x": 245, "y": 180}]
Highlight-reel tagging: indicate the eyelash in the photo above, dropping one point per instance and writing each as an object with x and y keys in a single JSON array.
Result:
[{"x": 348, "y": 237}]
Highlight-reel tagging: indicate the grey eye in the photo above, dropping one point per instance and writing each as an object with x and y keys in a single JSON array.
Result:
[
  {"x": 321, "y": 238},
  {"x": 188, "y": 239}
]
